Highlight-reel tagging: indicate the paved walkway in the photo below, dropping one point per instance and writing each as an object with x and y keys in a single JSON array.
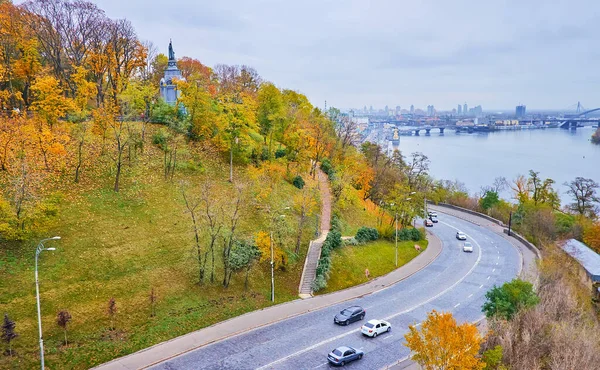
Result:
[
  {"x": 314, "y": 248},
  {"x": 256, "y": 319}
]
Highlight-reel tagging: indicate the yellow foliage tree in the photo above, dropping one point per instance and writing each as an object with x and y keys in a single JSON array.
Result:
[
  {"x": 263, "y": 242},
  {"x": 49, "y": 101},
  {"x": 591, "y": 237},
  {"x": 443, "y": 345}
]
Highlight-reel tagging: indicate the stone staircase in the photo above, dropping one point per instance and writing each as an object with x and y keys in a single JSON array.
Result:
[
  {"x": 310, "y": 267},
  {"x": 314, "y": 249}
]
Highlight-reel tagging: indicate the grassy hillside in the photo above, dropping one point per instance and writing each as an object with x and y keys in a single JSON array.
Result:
[
  {"x": 122, "y": 245},
  {"x": 349, "y": 262}
]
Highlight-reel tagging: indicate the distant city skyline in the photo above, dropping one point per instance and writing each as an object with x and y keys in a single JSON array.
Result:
[{"x": 352, "y": 53}]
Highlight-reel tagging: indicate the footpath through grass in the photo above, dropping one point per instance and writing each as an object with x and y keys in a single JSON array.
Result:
[{"x": 349, "y": 262}]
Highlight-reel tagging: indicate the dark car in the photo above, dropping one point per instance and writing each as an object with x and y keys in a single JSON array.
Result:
[
  {"x": 350, "y": 314},
  {"x": 343, "y": 355}
]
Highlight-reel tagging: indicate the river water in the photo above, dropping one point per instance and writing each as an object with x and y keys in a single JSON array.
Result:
[{"x": 476, "y": 159}]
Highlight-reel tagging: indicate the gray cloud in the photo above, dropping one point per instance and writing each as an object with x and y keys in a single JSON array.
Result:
[{"x": 355, "y": 53}]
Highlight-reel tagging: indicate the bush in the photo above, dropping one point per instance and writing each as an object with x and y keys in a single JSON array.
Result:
[
  {"x": 327, "y": 167},
  {"x": 366, "y": 234},
  {"x": 351, "y": 242},
  {"x": 298, "y": 182},
  {"x": 319, "y": 283},
  {"x": 507, "y": 300},
  {"x": 336, "y": 223},
  {"x": 280, "y": 153}
]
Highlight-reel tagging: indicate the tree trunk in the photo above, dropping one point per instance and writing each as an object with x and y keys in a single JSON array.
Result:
[{"x": 118, "y": 174}]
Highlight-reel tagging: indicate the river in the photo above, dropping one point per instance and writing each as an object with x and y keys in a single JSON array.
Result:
[{"x": 476, "y": 159}]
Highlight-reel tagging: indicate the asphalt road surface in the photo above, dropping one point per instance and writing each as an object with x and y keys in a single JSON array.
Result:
[{"x": 455, "y": 282}]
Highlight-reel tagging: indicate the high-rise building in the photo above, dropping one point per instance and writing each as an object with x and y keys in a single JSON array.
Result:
[
  {"x": 465, "y": 109},
  {"x": 520, "y": 110},
  {"x": 412, "y": 109},
  {"x": 398, "y": 110},
  {"x": 459, "y": 110},
  {"x": 430, "y": 110}
]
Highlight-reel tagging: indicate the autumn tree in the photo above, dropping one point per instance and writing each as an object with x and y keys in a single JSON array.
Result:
[
  {"x": 591, "y": 236},
  {"x": 192, "y": 205},
  {"x": 62, "y": 319},
  {"x": 232, "y": 216},
  {"x": 442, "y": 344},
  {"x": 49, "y": 101},
  {"x": 8, "y": 332},
  {"x": 584, "y": 193}
]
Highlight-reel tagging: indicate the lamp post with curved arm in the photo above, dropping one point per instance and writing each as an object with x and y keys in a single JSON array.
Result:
[{"x": 39, "y": 250}]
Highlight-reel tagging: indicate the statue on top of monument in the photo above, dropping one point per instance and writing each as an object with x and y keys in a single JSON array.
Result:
[{"x": 171, "y": 52}]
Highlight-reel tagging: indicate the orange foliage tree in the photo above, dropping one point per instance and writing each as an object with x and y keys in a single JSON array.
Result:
[
  {"x": 443, "y": 345},
  {"x": 591, "y": 237}
]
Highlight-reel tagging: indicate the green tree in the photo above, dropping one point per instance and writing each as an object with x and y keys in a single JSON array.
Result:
[
  {"x": 242, "y": 257},
  {"x": 507, "y": 300},
  {"x": 493, "y": 358},
  {"x": 489, "y": 200}
]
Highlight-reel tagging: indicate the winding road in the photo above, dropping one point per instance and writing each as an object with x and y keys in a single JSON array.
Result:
[{"x": 454, "y": 282}]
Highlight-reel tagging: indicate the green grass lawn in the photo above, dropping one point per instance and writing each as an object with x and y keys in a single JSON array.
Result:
[
  {"x": 123, "y": 245},
  {"x": 349, "y": 262}
]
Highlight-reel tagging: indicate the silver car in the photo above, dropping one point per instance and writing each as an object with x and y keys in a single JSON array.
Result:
[
  {"x": 468, "y": 247},
  {"x": 461, "y": 236}
]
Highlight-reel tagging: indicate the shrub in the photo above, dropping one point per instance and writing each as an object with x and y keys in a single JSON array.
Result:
[
  {"x": 327, "y": 167},
  {"x": 351, "y": 242},
  {"x": 298, "y": 182},
  {"x": 280, "y": 153},
  {"x": 366, "y": 234},
  {"x": 507, "y": 300},
  {"x": 336, "y": 223},
  {"x": 319, "y": 283}
]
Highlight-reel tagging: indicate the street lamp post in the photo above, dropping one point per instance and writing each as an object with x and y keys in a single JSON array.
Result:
[
  {"x": 272, "y": 271},
  {"x": 396, "y": 217},
  {"x": 39, "y": 250}
]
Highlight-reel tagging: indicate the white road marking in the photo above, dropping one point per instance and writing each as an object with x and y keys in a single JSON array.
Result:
[
  {"x": 496, "y": 263},
  {"x": 316, "y": 367},
  {"x": 385, "y": 318},
  {"x": 489, "y": 277},
  {"x": 493, "y": 270},
  {"x": 389, "y": 336},
  {"x": 481, "y": 286},
  {"x": 456, "y": 305}
]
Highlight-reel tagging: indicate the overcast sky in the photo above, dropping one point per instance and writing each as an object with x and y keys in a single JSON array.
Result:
[{"x": 544, "y": 54}]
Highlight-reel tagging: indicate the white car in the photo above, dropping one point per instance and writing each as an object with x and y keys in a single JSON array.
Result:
[
  {"x": 432, "y": 214},
  {"x": 461, "y": 236},
  {"x": 375, "y": 327},
  {"x": 468, "y": 247}
]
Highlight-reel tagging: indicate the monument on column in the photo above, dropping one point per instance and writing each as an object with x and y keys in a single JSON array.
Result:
[{"x": 168, "y": 89}]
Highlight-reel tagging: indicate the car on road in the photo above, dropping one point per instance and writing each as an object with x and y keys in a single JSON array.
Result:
[
  {"x": 375, "y": 327},
  {"x": 428, "y": 223},
  {"x": 342, "y": 355},
  {"x": 431, "y": 214},
  {"x": 350, "y": 314},
  {"x": 461, "y": 236},
  {"x": 468, "y": 247},
  {"x": 433, "y": 219}
]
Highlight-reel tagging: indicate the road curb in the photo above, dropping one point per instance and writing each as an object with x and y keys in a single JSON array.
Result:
[{"x": 115, "y": 364}]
